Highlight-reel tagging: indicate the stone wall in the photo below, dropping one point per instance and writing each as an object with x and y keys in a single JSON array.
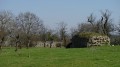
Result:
[
  {"x": 47, "y": 44},
  {"x": 99, "y": 41}
]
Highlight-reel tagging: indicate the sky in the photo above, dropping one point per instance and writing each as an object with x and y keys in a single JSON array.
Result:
[{"x": 72, "y": 12}]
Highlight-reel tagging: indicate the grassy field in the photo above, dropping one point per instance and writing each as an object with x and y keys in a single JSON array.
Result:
[{"x": 60, "y": 57}]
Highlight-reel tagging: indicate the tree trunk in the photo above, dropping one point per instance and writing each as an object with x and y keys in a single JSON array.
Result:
[
  {"x": 16, "y": 46},
  {"x": 51, "y": 44},
  {"x": 0, "y": 47},
  {"x": 20, "y": 46},
  {"x": 28, "y": 44},
  {"x": 2, "y": 40},
  {"x": 44, "y": 44}
]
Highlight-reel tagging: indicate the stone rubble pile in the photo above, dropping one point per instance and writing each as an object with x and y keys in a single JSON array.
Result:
[{"x": 99, "y": 41}]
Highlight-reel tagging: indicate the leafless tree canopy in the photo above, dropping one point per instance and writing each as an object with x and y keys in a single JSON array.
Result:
[
  {"x": 104, "y": 24},
  {"x": 29, "y": 24},
  {"x": 6, "y": 21}
]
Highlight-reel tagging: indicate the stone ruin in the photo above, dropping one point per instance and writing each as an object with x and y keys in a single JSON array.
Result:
[
  {"x": 47, "y": 44},
  {"x": 88, "y": 39},
  {"x": 99, "y": 41}
]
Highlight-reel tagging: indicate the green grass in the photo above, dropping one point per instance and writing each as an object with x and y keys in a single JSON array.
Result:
[{"x": 106, "y": 56}]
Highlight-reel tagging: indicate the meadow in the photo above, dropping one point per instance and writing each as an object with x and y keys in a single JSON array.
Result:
[{"x": 107, "y": 56}]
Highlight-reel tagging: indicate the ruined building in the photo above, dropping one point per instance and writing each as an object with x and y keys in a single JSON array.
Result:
[{"x": 88, "y": 39}]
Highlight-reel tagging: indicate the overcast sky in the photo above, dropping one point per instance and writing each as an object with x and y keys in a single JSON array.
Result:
[{"x": 71, "y": 12}]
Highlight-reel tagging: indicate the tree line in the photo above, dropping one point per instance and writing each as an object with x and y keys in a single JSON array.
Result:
[{"x": 23, "y": 29}]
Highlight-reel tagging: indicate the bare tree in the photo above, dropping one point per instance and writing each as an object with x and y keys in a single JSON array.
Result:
[
  {"x": 118, "y": 28},
  {"x": 6, "y": 18},
  {"x": 85, "y": 27},
  {"x": 2, "y": 37},
  {"x": 17, "y": 42},
  {"x": 91, "y": 19},
  {"x": 43, "y": 35},
  {"x": 94, "y": 23},
  {"x": 104, "y": 25},
  {"x": 29, "y": 24},
  {"x": 106, "y": 22},
  {"x": 62, "y": 28},
  {"x": 73, "y": 31}
]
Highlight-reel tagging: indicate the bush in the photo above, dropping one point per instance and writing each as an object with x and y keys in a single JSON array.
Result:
[
  {"x": 89, "y": 34},
  {"x": 58, "y": 45}
]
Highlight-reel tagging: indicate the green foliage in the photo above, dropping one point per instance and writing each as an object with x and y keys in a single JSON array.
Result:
[
  {"x": 105, "y": 56},
  {"x": 89, "y": 34}
]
